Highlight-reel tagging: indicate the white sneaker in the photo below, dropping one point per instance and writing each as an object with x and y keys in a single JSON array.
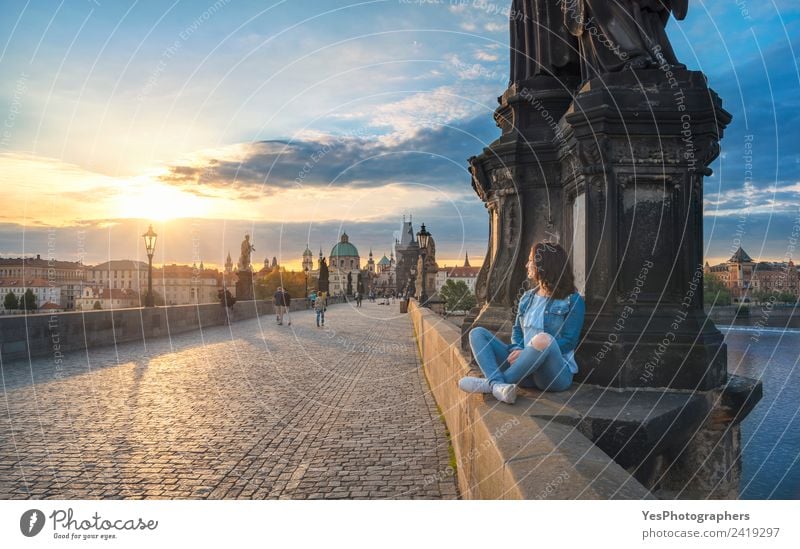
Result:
[
  {"x": 475, "y": 385},
  {"x": 505, "y": 392}
]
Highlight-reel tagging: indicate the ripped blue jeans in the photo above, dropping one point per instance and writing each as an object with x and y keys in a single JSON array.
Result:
[{"x": 548, "y": 369}]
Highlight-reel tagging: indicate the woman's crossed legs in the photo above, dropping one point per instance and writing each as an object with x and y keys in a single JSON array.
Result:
[{"x": 542, "y": 359}]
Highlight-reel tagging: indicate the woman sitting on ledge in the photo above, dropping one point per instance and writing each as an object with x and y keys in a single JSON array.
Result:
[{"x": 545, "y": 334}]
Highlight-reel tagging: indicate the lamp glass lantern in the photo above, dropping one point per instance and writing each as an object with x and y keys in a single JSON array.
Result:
[
  {"x": 422, "y": 236},
  {"x": 150, "y": 240}
]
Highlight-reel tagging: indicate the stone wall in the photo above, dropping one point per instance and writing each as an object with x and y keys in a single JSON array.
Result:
[
  {"x": 24, "y": 336},
  {"x": 503, "y": 452}
]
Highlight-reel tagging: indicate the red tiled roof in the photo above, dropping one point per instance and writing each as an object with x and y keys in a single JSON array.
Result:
[
  {"x": 29, "y": 283},
  {"x": 463, "y": 272}
]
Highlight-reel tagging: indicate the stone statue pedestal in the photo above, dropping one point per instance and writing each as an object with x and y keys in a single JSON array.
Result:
[
  {"x": 636, "y": 147},
  {"x": 244, "y": 286},
  {"x": 518, "y": 179}
]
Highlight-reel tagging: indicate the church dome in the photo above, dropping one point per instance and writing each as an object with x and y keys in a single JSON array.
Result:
[{"x": 343, "y": 248}]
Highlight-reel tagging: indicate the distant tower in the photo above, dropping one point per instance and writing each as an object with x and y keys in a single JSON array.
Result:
[
  {"x": 308, "y": 260},
  {"x": 229, "y": 264},
  {"x": 274, "y": 262},
  {"x": 407, "y": 249},
  {"x": 466, "y": 260},
  {"x": 319, "y": 264},
  {"x": 370, "y": 262}
]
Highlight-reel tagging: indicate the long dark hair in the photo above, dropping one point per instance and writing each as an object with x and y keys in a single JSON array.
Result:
[{"x": 553, "y": 269}]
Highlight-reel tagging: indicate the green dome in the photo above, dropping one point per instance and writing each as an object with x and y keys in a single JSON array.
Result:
[{"x": 343, "y": 248}]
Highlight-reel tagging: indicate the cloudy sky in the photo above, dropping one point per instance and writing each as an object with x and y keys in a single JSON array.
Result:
[{"x": 295, "y": 120}]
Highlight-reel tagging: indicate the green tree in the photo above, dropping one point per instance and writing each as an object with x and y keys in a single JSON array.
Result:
[
  {"x": 292, "y": 282},
  {"x": 10, "y": 301},
  {"x": 457, "y": 296},
  {"x": 97, "y": 306},
  {"x": 759, "y": 296},
  {"x": 715, "y": 292},
  {"x": 28, "y": 301}
]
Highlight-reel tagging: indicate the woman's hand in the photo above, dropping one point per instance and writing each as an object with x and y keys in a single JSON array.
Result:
[{"x": 513, "y": 356}]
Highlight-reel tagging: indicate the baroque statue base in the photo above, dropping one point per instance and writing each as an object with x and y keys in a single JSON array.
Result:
[{"x": 244, "y": 286}]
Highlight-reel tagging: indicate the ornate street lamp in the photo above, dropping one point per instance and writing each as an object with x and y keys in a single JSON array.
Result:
[
  {"x": 150, "y": 245},
  {"x": 422, "y": 237}
]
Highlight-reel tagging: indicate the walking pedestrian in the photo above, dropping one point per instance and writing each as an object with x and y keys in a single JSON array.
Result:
[
  {"x": 319, "y": 308},
  {"x": 313, "y": 297},
  {"x": 287, "y": 302},
  {"x": 279, "y": 304}
]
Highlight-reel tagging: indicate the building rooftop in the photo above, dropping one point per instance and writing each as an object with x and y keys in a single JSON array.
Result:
[
  {"x": 27, "y": 283},
  {"x": 39, "y": 262},
  {"x": 463, "y": 272},
  {"x": 740, "y": 256},
  {"x": 120, "y": 265},
  {"x": 343, "y": 248}
]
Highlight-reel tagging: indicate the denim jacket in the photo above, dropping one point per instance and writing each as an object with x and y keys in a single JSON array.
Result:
[{"x": 562, "y": 320}]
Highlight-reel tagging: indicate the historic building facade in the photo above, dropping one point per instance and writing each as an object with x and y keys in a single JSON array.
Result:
[
  {"x": 68, "y": 276},
  {"x": 744, "y": 277},
  {"x": 385, "y": 276},
  {"x": 344, "y": 266},
  {"x": 385, "y": 281},
  {"x": 465, "y": 273}
]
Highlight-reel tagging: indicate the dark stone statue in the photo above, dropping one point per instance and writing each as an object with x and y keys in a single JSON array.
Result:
[
  {"x": 244, "y": 258},
  {"x": 619, "y": 34},
  {"x": 540, "y": 43}
]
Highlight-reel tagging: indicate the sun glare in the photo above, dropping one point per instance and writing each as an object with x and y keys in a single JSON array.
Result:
[{"x": 159, "y": 202}]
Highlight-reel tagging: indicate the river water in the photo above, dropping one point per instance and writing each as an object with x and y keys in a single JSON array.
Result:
[{"x": 771, "y": 433}]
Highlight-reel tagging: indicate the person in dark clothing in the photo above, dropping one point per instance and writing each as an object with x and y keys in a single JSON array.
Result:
[
  {"x": 287, "y": 301},
  {"x": 280, "y": 301}
]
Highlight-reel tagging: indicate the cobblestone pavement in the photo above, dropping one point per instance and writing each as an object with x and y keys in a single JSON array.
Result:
[{"x": 252, "y": 411}]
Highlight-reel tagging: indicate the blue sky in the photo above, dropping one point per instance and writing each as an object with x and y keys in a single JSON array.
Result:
[{"x": 294, "y": 120}]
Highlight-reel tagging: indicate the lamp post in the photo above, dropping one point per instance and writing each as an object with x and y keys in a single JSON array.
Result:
[
  {"x": 305, "y": 286},
  {"x": 422, "y": 237},
  {"x": 150, "y": 245}
]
